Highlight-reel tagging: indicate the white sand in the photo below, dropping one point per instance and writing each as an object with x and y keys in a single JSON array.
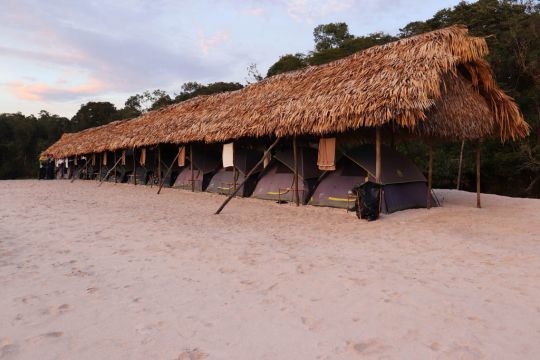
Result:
[{"x": 118, "y": 272}]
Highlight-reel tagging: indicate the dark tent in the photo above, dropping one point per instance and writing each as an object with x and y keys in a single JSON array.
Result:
[
  {"x": 277, "y": 180},
  {"x": 244, "y": 160},
  {"x": 206, "y": 160},
  {"x": 404, "y": 185}
]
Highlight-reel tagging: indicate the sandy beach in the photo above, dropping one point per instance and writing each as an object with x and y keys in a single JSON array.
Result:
[{"x": 119, "y": 272}]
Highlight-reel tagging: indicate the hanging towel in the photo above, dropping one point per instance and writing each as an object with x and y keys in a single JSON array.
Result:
[
  {"x": 123, "y": 157},
  {"x": 104, "y": 156},
  {"x": 228, "y": 155},
  {"x": 143, "y": 157},
  {"x": 93, "y": 159},
  {"x": 326, "y": 159},
  {"x": 266, "y": 160},
  {"x": 67, "y": 163},
  {"x": 182, "y": 156}
]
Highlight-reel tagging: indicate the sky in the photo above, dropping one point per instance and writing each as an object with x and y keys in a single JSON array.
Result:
[{"x": 58, "y": 54}]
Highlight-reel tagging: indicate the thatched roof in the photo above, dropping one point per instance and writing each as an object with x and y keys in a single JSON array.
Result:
[{"x": 433, "y": 85}]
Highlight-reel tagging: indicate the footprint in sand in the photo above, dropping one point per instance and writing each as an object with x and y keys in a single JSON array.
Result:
[
  {"x": 194, "y": 354},
  {"x": 8, "y": 348},
  {"x": 49, "y": 335},
  {"x": 368, "y": 347}
]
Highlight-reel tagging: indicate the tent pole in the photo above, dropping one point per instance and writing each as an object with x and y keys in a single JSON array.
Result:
[
  {"x": 191, "y": 167},
  {"x": 134, "y": 167},
  {"x": 168, "y": 171},
  {"x": 247, "y": 176},
  {"x": 430, "y": 175},
  {"x": 378, "y": 155},
  {"x": 295, "y": 155},
  {"x": 108, "y": 172},
  {"x": 460, "y": 164},
  {"x": 478, "y": 205}
]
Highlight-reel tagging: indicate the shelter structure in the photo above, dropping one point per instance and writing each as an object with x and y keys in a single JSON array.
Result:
[
  {"x": 202, "y": 162},
  {"x": 432, "y": 87}
]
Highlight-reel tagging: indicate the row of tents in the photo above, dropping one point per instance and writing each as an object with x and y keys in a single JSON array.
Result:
[
  {"x": 312, "y": 135},
  {"x": 202, "y": 169}
]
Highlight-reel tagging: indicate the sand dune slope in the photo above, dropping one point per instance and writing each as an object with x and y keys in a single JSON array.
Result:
[{"x": 119, "y": 272}]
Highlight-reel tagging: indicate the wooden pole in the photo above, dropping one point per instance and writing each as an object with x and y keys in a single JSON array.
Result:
[
  {"x": 378, "y": 155},
  {"x": 191, "y": 167},
  {"x": 430, "y": 176},
  {"x": 234, "y": 177},
  {"x": 115, "y": 175},
  {"x": 159, "y": 163},
  {"x": 247, "y": 176},
  {"x": 478, "y": 204},
  {"x": 100, "y": 163},
  {"x": 134, "y": 167},
  {"x": 108, "y": 172},
  {"x": 460, "y": 164},
  {"x": 295, "y": 156},
  {"x": 167, "y": 173}
]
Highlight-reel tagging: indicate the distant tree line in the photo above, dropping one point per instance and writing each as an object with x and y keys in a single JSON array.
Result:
[{"x": 511, "y": 28}]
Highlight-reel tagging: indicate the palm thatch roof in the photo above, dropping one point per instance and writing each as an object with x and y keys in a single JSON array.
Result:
[{"x": 437, "y": 84}]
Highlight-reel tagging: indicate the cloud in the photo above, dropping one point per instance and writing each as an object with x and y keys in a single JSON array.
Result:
[
  {"x": 308, "y": 11},
  {"x": 41, "y": 91},
  {"x": 207, "y": 43},
  {"x": 256, "y": 11}
]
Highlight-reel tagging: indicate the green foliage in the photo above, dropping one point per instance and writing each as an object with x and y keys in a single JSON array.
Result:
[
  {"x": 331, "y": 36},
  {"x": 287, "y": 63},
  {"x": 192, "y": 89}
]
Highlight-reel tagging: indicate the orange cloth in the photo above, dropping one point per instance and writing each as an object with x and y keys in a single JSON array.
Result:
[
  {"x": 143, "y": 156},
  {"x": 93, "y": 159},
  {"x": 104, "y": 156},
  {"x": 182, "y": 156},
  {"x": 326, "y": 159},
  {"x": 123, "y": 157}
]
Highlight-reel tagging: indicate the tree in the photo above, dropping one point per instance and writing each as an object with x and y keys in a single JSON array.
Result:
[
  {"x": 93, "y": 114},
  {"x": 287, "y": 63},
  {"x": 193, "y": 89},
  {"x": 253, "y": 74},
  {"x": 331, "y": 36}
]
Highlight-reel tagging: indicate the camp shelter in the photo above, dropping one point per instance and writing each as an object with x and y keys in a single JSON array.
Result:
[
  {"x": 277, "y": 180},
  {"x": 202, "y": 162},
  {"x": 226, "y": 179},
  {"x": 404, "y": 185}
]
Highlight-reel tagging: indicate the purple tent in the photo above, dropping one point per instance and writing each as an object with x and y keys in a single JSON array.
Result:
[
  {"x": 206, "y": 160},
  {"x": 277, "y": 180},
  {"x": 404, "y": 185}
]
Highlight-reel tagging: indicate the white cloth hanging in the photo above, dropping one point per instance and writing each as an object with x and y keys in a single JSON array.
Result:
[{"x": 228, "y": 155}]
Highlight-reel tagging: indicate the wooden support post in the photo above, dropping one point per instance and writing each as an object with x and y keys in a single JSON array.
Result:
[
  {"x": 134, "y": 167},
  {"x": 430, "y": 175},
  {"x": 100, "y": 163},
  {"x": 108, "y": 172},
  {"x": 167, "y": 173},
  {"x": 191, "y": 167},
  {"x": 478, "y": 204},
  {"x": 295, "y": 156},
  {"x": 159, "y": 163},
  {"x": 115, "y": 176},
  {"x": 248, "y": 175},
  {"x": 460, "y": 165},
  {"x": 378, "y": 175},
  {"x": 234, "y": 176}
]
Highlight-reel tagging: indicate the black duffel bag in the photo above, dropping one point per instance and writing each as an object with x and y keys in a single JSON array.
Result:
[{"x": 368, "y": 199}]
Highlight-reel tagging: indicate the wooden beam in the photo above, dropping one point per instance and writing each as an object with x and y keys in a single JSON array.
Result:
[
  {"x": 378, "y": 175},
  {"x": 100, "y": 163},
  {"x": 478, "y": 204},
  {"x": 191, "y": 167},
  {"x": 108, "y": 172},
  {"x": 460, "y": 165},
  {"x": 134, "y": 167},
  {"x": 295, "y": 156},
  {"x": 159, "y": 163},
  {"x": 430, "y": 175},
  {"x": 168, "y": 171},
  {"x": 247, "y": 176},
  {"x": 115, "y": 176}
]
